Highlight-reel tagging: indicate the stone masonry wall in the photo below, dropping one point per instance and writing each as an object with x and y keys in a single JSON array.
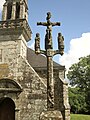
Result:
[
  {"x": 33, "y": 96},
  {"x": 32, "y": 100}
]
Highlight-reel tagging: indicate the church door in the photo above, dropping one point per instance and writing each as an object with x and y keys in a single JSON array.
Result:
[{"x": 7, "y": 109}]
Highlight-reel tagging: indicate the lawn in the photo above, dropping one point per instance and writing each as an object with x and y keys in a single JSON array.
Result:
[{"x": 79, "y": 117}]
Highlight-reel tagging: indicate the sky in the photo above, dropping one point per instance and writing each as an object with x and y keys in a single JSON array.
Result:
[{"x": 74, "y": 16}]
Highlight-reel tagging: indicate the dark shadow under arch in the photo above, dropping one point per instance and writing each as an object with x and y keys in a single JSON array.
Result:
[
  {"x": 9, "y": 10},
  {"x": 7, "y": 109},
  {"x": 17, "y": 10}
]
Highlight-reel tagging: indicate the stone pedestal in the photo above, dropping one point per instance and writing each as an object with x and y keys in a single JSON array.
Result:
[{"x": 51, "y": 115}]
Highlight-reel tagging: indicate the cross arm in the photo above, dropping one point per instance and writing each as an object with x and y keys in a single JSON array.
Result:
[
  {"x": 42, "y": 23},
  {"x": 56, "y": 24}
]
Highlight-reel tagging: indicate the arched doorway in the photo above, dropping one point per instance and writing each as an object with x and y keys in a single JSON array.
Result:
[{"x": 7, "y": 109}]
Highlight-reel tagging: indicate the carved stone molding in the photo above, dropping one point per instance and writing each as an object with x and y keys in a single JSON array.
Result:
[{"x": 9, "y": 86}]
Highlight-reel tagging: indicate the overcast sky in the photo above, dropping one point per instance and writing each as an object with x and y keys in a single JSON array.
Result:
[{"x": 74, "y": 16}]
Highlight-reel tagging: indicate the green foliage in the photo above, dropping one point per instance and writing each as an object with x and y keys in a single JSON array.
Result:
[
  {"x": 79, "y": 76},
  {"x": 79, "y": 117},
  {"x": 77, "y": 101}
]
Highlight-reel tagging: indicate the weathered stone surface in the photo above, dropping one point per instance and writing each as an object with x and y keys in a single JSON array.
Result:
[
  {"x": 20, "y": 82},
  {"x": 51, "y": 115},
  {"x": 61, "y": 91},
  {"x": 30, "y": 100},
  {"x": 4, "y": 70}
]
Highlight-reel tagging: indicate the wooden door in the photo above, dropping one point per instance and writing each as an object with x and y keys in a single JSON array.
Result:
[{"x": 7, "y": 109}]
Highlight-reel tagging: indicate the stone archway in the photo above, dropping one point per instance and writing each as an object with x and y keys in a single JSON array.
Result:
[
  {"x": 9, "y": 86},
  {"x": 7, "y": 109}
]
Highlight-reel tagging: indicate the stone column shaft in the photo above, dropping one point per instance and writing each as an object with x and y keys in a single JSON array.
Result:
[
  {"x": 22, "y": 11},
  {"x": 4, "y": 13},
  {"x": 13, "y": 11},
  {"x": 50, "y": 84}
]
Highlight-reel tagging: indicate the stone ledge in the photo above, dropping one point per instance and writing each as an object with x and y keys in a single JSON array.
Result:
[
  {"x": 51, "y": 115},
  {"x": 16, "y": 26}
]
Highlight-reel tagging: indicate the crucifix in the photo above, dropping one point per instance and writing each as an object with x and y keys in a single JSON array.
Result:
[{"x": 49, "y": 53}]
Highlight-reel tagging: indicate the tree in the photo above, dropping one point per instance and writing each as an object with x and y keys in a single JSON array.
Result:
[
  {"x": 79, "y": 76},
  {"x": 77, "y": 101}
]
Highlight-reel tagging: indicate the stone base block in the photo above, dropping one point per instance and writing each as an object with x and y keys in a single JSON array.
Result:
[{"x": 51, "y": 115}]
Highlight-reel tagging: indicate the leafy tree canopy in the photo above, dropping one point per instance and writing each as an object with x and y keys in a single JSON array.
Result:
[
  {"x": 79, "y": 76},
  {"x": 77, "y": 101}
]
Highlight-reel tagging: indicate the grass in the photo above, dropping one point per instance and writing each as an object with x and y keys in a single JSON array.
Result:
[{"x": 79, "y": 117}]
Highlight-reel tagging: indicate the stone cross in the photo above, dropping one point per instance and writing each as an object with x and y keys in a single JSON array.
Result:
[{"x": 49, "y": 53}]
